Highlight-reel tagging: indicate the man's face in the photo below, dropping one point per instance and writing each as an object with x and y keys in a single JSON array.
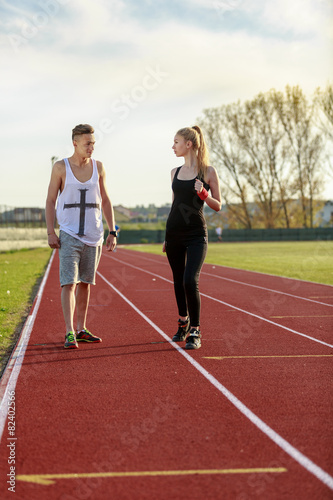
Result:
[{"x": 84, "y": 145}]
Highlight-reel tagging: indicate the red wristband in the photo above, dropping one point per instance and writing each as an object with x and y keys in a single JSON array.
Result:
[{"x": 203, "y": 194}]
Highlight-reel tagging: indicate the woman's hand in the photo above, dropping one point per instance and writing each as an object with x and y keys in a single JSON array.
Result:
[
  {"x": 198, "y": 186},
  {"x": 201, "y": 191}
]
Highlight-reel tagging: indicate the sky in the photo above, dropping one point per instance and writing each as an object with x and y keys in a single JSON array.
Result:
[{"x": 137, "y": 71}]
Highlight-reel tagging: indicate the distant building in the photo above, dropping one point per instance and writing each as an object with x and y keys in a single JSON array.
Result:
[
  {"x": 163, "y": 212},
  {"x": 23, "y": 214},
  {"x": 325, "y": 215},
  {"x": 124, "y": 211}
]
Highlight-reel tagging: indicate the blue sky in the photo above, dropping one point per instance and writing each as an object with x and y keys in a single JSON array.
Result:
[{"x": 138, "y": 70}]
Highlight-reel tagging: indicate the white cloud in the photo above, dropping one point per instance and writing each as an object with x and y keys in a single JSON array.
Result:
[
  {"x": 298, "y": 16},
  {"x": 219, "y": 6},
  {"x": 91, "y": 59}
]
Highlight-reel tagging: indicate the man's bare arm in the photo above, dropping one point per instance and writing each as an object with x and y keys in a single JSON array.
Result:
[
  {"x": 52, "y": 194},
  {"x": 107, "y": 208}
]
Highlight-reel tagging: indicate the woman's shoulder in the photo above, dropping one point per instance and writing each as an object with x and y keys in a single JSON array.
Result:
[
  {"x": 173, "y": 172},
  {"x": 211, "y": 169},
  {"x": 211, "y": 172}
]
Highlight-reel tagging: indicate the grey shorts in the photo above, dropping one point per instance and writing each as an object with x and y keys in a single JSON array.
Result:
[{"x": 78, "y": 261}]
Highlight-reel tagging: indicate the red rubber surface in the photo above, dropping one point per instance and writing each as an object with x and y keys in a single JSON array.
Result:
[{"x": 135, "y": 404}]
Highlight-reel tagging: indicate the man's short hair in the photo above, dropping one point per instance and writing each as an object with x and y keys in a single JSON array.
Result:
[{"x": 82, "y": 129}]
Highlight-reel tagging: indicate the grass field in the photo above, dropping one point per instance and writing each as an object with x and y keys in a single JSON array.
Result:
[
  {"x": 304, "y": 260},
  {"x": 20, "y": 274}
]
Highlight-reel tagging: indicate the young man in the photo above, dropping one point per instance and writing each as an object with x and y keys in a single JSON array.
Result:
[{"x": 78, "y": 187}]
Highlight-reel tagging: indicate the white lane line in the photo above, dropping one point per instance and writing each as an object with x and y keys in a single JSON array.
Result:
[
  {"x": 269, "y": 321},
  {"x": 230, "y": 305},
  {"x": 268, "y": 289},
  {"x": 308, "y": 299},
  {"x": 10, "y": 376},
  {"x": 293, "y": 452},
  {"x": 237, "y": 269}
]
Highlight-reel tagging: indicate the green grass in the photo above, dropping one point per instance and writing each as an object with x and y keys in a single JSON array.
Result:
[
  {"x": 304, "y": 260},
  {"x": 20, "y": 274}
]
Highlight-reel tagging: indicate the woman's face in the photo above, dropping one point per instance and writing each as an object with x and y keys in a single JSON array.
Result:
[{"x": 180, "y": 146}]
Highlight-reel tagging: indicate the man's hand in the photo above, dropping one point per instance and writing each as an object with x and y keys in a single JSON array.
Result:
[
  {"x": 111, "y": 243},
  {"x": 53, "y": 240}
]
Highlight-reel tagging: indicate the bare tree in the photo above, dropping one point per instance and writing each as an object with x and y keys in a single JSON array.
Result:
[
  {"x": 305, "y": 144},
  {"x": 227, "y": 158},
  {"x": 260, "y": 136},
  {"x": 267, "y": 150},
  {"x": 324, "y": 101},
  {"x": 246, "y": 143}
]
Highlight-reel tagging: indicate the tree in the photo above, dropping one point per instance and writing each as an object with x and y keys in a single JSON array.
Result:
[
  {"x": 324, "y": 101},
  {"x": 226, "y": 155},
  {"x": 260, "y": 135},
  {"x": 268, "y": 150},
  {"x": 304, "y": 147},
  {"x": 246, "y": 143}
]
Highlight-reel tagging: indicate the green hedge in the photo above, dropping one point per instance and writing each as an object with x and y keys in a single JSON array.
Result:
[
  {"x": 282, "y": 234},
  {"x": 136, "y": 236}
]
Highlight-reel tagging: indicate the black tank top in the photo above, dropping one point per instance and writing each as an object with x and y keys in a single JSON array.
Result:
[{"x": 186, "y": 215}]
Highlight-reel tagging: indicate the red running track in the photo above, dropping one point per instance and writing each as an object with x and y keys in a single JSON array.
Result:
[{"x": 249, "y": 415}]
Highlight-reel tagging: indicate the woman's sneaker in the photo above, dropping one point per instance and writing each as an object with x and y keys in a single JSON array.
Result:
[
  {"x": 183, "y": 329},
  {"x": 193, "y": 341},
  {"x": 70, "y": 341}
]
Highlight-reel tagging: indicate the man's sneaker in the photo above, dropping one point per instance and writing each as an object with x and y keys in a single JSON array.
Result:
[
  {"x": 86, "y": 336},
  {"x": 70, "y": 341},
  {"x": 183, "y": 329},
  {"x": 193, "y": 341}
]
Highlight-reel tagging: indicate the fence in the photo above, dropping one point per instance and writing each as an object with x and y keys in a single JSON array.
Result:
[
  {"x": 282, "y": 234},
  {"x": 21, "y": 217},
  {"x": 301, "y": 234},
  {"x": 15, "y": 238}
]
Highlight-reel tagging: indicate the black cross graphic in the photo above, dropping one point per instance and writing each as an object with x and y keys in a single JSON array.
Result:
[{"x": 83, "y": 205}]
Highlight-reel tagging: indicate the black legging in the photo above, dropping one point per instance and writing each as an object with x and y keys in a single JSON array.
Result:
[{"x": 186, "y": 259}]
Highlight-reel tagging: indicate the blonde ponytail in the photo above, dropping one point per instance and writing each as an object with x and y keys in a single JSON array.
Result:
[{"x": 203, "y": 156}]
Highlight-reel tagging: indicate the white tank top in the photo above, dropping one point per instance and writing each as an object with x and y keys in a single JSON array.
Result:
[{"x": 79, "y": 208}]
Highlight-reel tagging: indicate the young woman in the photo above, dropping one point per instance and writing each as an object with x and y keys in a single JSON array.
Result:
[{"x": 186, "y": 232}]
